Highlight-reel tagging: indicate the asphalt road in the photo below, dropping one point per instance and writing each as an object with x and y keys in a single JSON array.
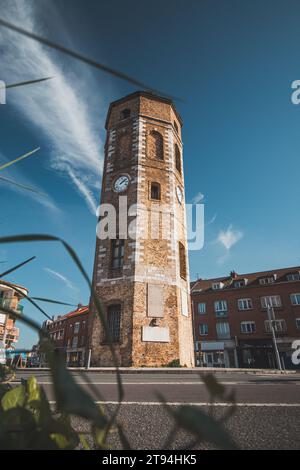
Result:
[{"x": 267, "y": 415}]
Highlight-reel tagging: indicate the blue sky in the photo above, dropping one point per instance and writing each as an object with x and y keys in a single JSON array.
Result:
[{"x": 232, "y": 63}]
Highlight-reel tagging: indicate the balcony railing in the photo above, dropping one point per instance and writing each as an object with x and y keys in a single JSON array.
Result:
[
  {"x": 221, "y": 313},
  {"x": 10, "y": 305},
  {"x": 6, "y": 303},
  {"x": 13, "y": 334},
  {"x": 279, "y": 326}
]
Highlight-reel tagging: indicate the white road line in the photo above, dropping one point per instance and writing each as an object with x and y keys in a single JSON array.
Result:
[
  {"x": 165, "y": 383},
  {"x": 180, "y": 403}
]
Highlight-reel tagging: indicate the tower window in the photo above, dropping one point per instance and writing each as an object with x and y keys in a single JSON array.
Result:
[
  {"x": 117, "y": 253},
  {"x": 182, "y": 260},
  {"x": 177, "y": 158},
  {"x": 124, "y": 145},
  {"x": 125, "y": 113},
  {"x": 155, "y": 191},
  {"x": 113, "y": 322},
  {"x": 176, "y": 127},
  {"x": 155, "y": 145}
]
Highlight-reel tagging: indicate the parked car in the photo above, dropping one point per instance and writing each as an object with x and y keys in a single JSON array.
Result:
[{"x": 33, "y": 361}]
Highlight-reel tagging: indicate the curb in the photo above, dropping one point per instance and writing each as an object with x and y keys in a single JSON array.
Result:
[{"x": 170, "y": 370}]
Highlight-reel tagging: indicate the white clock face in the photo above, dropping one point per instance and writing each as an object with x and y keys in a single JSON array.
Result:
[
  {"x": 121, "y": 184},
  {"x": 179, "y": 194}
]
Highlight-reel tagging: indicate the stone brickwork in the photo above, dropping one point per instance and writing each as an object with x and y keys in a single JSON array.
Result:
[{"x": 142, "y": 146}]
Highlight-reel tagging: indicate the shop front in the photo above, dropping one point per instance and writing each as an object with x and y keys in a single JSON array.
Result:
[
  {"x": 256, "y": 354},
  {"x": 75, "y": 358},
  {"x": 216, "y": 354}
]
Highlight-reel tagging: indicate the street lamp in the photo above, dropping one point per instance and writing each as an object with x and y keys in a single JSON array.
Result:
[{"x": 272, "y": 320}]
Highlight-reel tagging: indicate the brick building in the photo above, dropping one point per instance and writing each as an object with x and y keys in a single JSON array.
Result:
[
  {"x": 10, "y": 298},
  {"x": 69, "y": 333},
  {"x": 230, "y": 318},
  {"x": 142, "y": 279}
]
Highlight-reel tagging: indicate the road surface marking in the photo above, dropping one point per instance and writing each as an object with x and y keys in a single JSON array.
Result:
[
  {"x": 166, "y": 383},
  {"x": 181, "y": 403}
]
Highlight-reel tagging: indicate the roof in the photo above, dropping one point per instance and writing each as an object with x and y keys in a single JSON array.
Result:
[
  {"x": 10, "y": 284},
  {"x": 252, "y": 278},
  {"x": 79, "y": 311},
  {"x": 146, "y": 94}
]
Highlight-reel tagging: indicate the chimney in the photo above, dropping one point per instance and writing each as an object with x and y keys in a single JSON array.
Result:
[{"x": 233, "y": 274}]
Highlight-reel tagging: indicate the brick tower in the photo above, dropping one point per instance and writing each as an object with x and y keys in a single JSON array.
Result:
[{"x": 143, "y": 280}]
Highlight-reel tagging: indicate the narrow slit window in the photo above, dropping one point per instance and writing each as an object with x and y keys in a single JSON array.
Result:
[
  {"x": 155, "y": 191},
  {"x": 182, "y": 261},
  {"x": 177, "y": 159},
  {"x": 117, "y": 253},
  {"x": 125, "y": 114},
  {"x": 156, "y": 145}
]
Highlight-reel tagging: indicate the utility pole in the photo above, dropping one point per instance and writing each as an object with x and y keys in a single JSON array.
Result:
[
  {"x": 271, "y": 317},
  {"x": 89, "y": 359}
]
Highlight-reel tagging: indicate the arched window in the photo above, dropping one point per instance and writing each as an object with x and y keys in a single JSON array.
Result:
[
  {"x": 182, "y": 260},
  {"x": 155, "y": 145},
  {"x": 177, "y": 158},
  {"x": 155, "y": 191},
  {"x": 125, "y": 113},
  {"x": 124, "y": 145}
]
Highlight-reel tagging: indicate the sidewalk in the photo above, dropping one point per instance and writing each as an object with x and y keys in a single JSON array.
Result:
[{"x": 173, "y": 370}]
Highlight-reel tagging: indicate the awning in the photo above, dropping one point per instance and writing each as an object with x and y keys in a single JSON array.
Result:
[{"x": 212, "y": 346}]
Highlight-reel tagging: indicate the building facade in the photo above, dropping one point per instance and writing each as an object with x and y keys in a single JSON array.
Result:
[
  {"x": 69, "y": 333},
  {"x": 9, "y": 299},
  {"x": 141, "y": 268},
  {"x": 231, "y": 320}
]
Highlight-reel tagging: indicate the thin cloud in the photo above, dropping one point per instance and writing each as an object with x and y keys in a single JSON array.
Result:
[
  {"x": 84, "y": 190},
  {"x": 57, "y": 107},
  {"x": 61, "y": 277},
  {"x": 212, "y": 220},
  {"x": 229, "y": 237},
  {"x": 45, "y": 200},
  {"x": 199, "y": 197}
]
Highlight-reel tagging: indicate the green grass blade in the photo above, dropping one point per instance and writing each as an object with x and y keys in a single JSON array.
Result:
[
  {"x": 50, "y": 301},
  {"x": 26, "y": 155},
  {"x": 46, "y": 238},
  {"x": 32, "y": 302},
  {"x": 26, "y": 320},
  {"x": 81, "y": 58},
  {"x": 29, "y": 82},
  {"x": 11, "y": 270}
]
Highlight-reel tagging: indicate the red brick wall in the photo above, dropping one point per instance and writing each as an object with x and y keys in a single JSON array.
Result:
[
  {"x": 82, "y": 332},
  {"x": 287, "y": 311}
]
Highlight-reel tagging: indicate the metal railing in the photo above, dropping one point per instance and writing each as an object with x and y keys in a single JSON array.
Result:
[{"x": 9, "y": 304}]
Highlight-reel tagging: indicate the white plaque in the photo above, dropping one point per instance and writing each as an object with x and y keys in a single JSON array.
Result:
[
  {"x": 155, "y": 334},
  {"x": 184, "y": 303}
]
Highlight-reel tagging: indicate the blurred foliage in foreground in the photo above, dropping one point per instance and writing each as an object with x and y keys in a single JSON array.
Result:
[{"x": 29, "y": 421}]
